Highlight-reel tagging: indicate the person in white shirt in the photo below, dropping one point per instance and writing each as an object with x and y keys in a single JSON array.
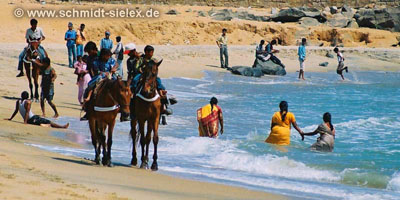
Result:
[
  {"x": 119, "y": 56},
  {"x": 32, "y": 34},
  {"x": 340, "y": 67}
]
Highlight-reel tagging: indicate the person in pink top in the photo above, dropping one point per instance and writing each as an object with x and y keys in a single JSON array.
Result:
[{"x": 83, "y": 77}]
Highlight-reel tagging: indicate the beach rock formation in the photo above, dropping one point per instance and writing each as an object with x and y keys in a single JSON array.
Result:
[
  {"x": 385, "y": 18},
  {"x": 228, "y": 15},
  {"x": 324, "y": 64},
  {"x": 269, "y": 67},
  {"x": 308, "y": 21},
  {"x": 172, "y": 12},
  {"x": 247, "y": 71}
]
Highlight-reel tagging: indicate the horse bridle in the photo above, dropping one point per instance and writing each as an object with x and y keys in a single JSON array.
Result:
[{"x": 32, "y": 52}]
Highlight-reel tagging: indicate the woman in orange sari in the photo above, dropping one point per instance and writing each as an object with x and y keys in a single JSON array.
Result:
[
  {"x": 209, "y": 117},
  {"x": 280, "y": 126}
]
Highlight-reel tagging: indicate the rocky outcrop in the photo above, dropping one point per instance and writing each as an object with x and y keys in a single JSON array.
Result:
[
  {"x": 247, "y": 71},
  {"x": 228, "y": 15},
  {"x": 386, "y": 19},
  {"x": 269, "y": 67}
]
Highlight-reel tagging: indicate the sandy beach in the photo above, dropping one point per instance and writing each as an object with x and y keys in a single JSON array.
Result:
[{"x": 27, "y": 172}]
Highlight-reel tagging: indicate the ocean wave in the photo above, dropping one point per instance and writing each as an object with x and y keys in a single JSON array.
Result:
[
  {"x": 394, "y": 183},
  {"x": 371, "y": 122}
]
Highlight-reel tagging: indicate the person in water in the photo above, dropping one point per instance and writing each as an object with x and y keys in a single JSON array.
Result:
[
  {"x": 209, "y": 117},
  {"x": 23, "y": 105},
  {"x": 280, "y": 126},
  {"x": 326, "y": 140},
  {"x": 341, "y": 66}
]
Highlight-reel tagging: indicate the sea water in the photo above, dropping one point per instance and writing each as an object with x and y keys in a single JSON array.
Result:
[{"x": 365, "y": 112}]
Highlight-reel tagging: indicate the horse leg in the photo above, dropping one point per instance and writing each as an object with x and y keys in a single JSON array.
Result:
[
  {"x": 154, "y": 166},
  {"x": 148, "y": 139},
  {"x": 93, "y": 129},
  {"x": 103, "y": 144},
  {"x": 109, "y": 142},
  {"x": 144, "y": 164},
  {"x": 133, "y": 133},
  {"x": 28, "y": 75},
  {"x": 35, "y": 75}
]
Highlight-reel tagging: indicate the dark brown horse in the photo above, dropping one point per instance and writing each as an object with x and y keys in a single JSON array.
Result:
[
  {"x": 32, "y": 52},
  {"x": 113, "y": 96},
  {"x": 147, "y": 109}
]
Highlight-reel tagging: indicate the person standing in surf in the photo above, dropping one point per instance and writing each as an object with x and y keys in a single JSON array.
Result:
[
  {"x": 302, "y": 57},
  {"x": 280, "y": 126},
  {"x": 326, "y": 140},
  {"x": 209, "y": 118},
  {"x": 341, "y": 66}
]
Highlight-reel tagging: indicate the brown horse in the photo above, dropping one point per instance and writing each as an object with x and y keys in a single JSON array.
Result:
[
  {"x": 147, "y": 109},
  {"x": 113, "y": 96},
  {"x": 32, "y": 52}
]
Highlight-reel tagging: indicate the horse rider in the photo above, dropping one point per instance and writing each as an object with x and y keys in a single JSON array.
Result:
[{"x": 33, "y": 34}]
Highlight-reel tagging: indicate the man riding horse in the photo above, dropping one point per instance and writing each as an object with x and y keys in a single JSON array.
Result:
[{"x": 34, "y": 36}]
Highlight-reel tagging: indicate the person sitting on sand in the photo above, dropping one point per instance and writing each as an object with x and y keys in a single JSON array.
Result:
[
  {"x": 135, "y": 60},
  {"x": 48, "y": 77},
  {"x": 261, "y": 53},
  {"x": 302, "y": 57},
  {"x": 32, "y": 34},
  {"x": 326, "y": 140},
  {"x": 280, "y": 126},
  {"x": 209, "y": 117},
  {"x": 23, "y": 105},
  {"x": 269, "y": 49},
  {"x": 340, "y": 67}
]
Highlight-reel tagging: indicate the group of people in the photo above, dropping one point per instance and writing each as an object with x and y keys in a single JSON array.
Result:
[{"x": 267, "y": 53}]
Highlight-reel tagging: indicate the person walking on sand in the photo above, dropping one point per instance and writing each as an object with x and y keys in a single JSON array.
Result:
[
  {"x": 119, "y": 56},
  {"x": 106, "y": 43},
  {"x": 209, "y": 117},
  {"x": 23, "y": 105},
  {"x": 326, "y": 140},
  {"x": 80, "y": 38},
  {"x": 280, "y": 126},
  {"x": 340, "y": 67},
  {"x": 33, "y": 33},
  {"x": 48, "y": 77},
  {"x": 70, "y": 37},
  {"x": 83, "y": 77},
  {"x": 222, "y": 43},
  {"x": 302, "y": 57}
]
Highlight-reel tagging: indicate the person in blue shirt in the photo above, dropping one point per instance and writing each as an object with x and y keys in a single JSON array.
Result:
[
  {"x": 106, "y": 43},
  {"x": 302, "y": 57},
  {"x": 270, "y": 50},
  {"x": 103, "y": 67},
  {"x": 70, "y": 37}
]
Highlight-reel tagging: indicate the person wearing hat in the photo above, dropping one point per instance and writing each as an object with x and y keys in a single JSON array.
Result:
[
  {"x": 134, "y": 61},
  {"x": 209, "y": 118},
  {"x": 70, "y": 37},
  {"x": 106, "y": 43},
  {"x": 119, "y": 56}
]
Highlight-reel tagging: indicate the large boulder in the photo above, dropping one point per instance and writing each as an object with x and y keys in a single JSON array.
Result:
[
  {"x": 308, "y": 21},
  {"x": 222, "y": 15},
  {"x": 246, "y": 71},
  {"x": 385, "y": 19},
  {"x": 339, "y": 20},
  {"x": 313, "y": 13},
  {"x": 269, "y": 67},
  {"x": 288, "y": 15}
]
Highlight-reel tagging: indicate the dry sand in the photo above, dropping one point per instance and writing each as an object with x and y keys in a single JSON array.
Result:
[{"x": 29, "y": 173}]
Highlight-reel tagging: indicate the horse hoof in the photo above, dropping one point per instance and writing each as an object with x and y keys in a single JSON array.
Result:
[
  {"x": 154, "y": 166},
  {"x": 144, "y": 166},
  {"x": 110, "y": 164},
  {"x": 134, "y": 162}
]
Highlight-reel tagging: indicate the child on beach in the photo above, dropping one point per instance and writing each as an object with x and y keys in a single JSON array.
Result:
[
  {"x": 341, "y": 66},
  {"x": 302, "y": 57},
  {"x": 48, "y": 77},
  {"x": 83, "y": 77}
]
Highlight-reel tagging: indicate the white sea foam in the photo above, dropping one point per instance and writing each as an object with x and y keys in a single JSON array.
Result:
[{"x": 394, "y": 183}]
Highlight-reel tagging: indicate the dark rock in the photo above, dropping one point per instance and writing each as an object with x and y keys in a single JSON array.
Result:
[
  {"x": 308, "y": 21},
  {"x": 269, "y": 67},
  {"x": 333, "y": 10},
  {"x": 339, "y": 20},
  {"x": 288, "y": 15},
  {"x": 329, "y": 55},
  {"x": 201, "y": 14},
  {"x": 385, "y": 19},
  {"x": 346, "y": 8},
  {"x": 246, "y": 71},
  {"x": 228, "y": 15},
  {"x": 189, "y": 10},
  {"x": 324, "y": 64},
  {"x": 172, "y": 12}
]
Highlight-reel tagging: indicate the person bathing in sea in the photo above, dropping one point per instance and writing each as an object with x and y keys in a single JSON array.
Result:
[
  {"x": 326, "y": 140},
  {"x": 209, "y": 117},
  {"x": 341, "y": 66},
  {"x": 280, "y": 126},
  {"x": 302, "y": 57},
  {"x": 23, "y": 105}
]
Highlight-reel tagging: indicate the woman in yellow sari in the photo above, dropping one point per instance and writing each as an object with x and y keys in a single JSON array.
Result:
[
  {"x": 209, "y": 117},
  {"x": 280, "y": 126}
]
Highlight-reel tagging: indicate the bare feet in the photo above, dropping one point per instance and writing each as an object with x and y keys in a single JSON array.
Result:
[
  {"x": 66, "y": 126},
  {"x": 56, "y": 115}
]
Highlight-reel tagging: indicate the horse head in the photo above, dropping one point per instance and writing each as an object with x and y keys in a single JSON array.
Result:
[
  {"x": 150, "y": 73},
  {"x": 32, "y": 51},
  {"x": 122, "y": 94}
]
